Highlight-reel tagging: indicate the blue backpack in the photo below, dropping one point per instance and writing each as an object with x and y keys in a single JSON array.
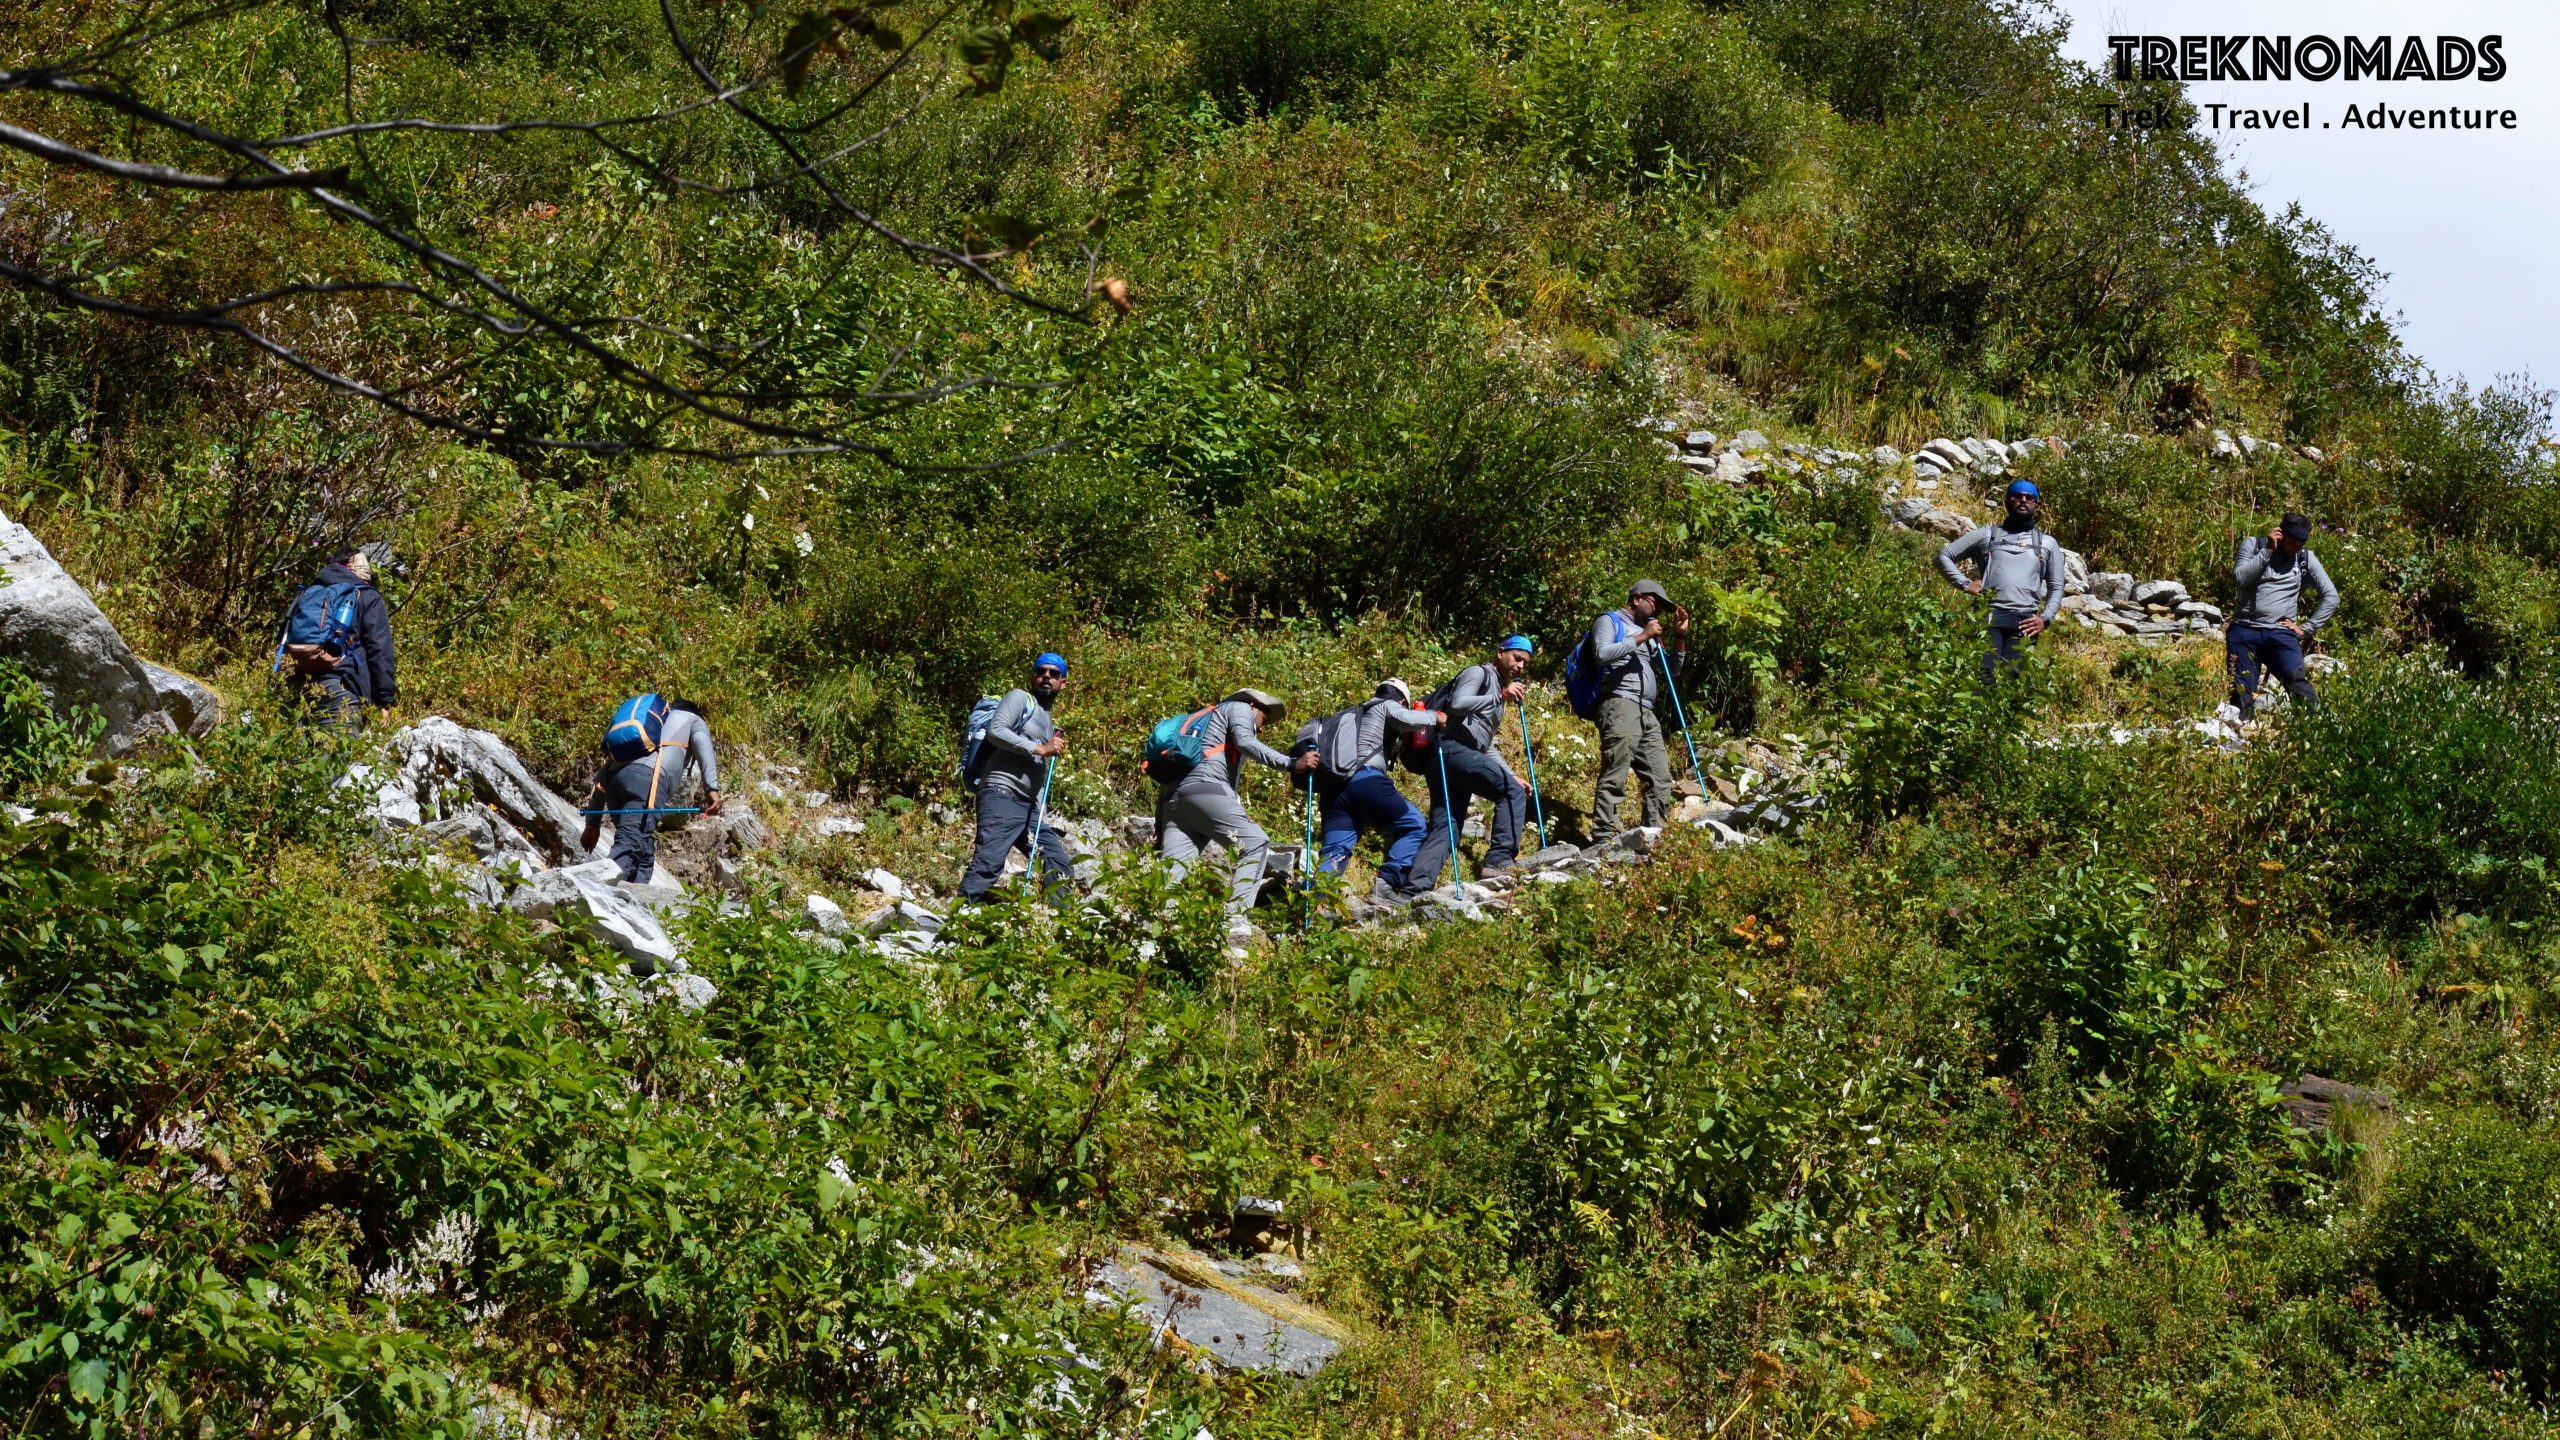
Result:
[
  {"x": 1173, "y": 747},
  {"x": 973, "y": 739},
  {"x": 1582, "y": 673},
  {"x": 319, "y": 629},
  {"x": 636, "y": 726}
]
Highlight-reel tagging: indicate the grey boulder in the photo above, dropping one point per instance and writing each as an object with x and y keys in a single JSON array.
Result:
[
  {"x": 49, "y": 625},
  {"x": 192, "y": 707},
  {"x": 444, "y": 766}
]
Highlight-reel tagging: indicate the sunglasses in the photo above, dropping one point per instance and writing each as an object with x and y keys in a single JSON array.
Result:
[{"x": 1048, "y": 672}]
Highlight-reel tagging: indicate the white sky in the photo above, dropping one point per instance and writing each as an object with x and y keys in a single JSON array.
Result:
[{"x": 2462, "y": 221}]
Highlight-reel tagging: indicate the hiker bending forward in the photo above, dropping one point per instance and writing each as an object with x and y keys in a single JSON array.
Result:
[
  {"x": 2022, "y": 571},
  {"x": 1021, "y": 742},
  {"x": 1203, "y": 808},
  {"x": 635, "y": 790},
  {"x": 1473, "y": 702},
  {"x": 1627, "y": 646},
  {"x": 1366, "y": 797}
]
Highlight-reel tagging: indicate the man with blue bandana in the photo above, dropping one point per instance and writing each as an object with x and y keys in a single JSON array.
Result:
[
  {"x": 2022, "y": 574},
  {"x": 1473, "y": 702},
  {"x": 1021, "y": 743}
]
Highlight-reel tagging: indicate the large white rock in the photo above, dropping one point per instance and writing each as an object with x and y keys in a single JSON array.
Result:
[
  {"x": 49, "y": 625},
  {"x": 589, "y": 897},
  {"x": 444, "y": 767},
  {"x": 1948, "y": 453}
]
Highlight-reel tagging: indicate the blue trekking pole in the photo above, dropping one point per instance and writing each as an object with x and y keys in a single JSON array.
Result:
[
  {"x": 649, "y": 810},
  {"x": 1040, "y": 811},
  {"x": 1307, "y": 859},
  {"x": 1449, "y": 807},
  {"x": 1682, "y": 716},
  {"x": 1534, "y": 798}
]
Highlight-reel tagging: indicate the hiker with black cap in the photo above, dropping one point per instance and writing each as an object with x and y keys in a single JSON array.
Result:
[
  {"x": 2022, "y": 573},
  {"x": 650, "y": 746},
  {"x": 1012, "y": 767},
  {"x": 336, "y": 645},
  {"x": 1472, "y": 767},
  {"x": 1200, "y": 807},
  {"x": 1626, "y": 647},
  {"x": 1362, "y": 742},
  {"x": 2266, "y": 630}
]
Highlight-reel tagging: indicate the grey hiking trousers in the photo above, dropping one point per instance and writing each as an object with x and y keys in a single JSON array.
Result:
[
  {"x": 1189, "y": 821},
  {"x": 1630, "y": 738}
]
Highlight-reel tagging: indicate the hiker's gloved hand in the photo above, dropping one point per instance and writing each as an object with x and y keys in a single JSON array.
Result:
[
  {"x": 587, "y": 837},
  {"x": 2032, "y": 626}
]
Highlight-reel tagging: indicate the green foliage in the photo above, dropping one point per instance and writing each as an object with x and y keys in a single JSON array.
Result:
[
  {"x": 2084, "y": 959},
  {"x": 1267, "y": 54},
  {"x": 2419, "y": 794},
  {"x": 2464, "y": 1231},
  {"x": 37, "y": 744},
  {"x": 1930, "y": 726}
]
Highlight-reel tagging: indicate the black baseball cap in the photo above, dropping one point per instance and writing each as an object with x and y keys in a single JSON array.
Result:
[{"x": 2296, "y": 527}]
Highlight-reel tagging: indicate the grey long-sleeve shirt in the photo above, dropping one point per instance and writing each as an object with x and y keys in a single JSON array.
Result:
[
  {"x": 2022, "y": 570},
  {"x": 2271, "y": 585},
  {"x": 1475, "y": 706},
  {"x": 1229, "y": 725},
  {"x": 1630, "y": 667},
  {"x": 682, "y": 741},
  {"x": 1021, "y": 725},
  {"x": 1381, "y": 721}
]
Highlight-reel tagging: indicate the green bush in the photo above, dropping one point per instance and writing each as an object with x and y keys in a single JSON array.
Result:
[
  {"x": 1276, "y": 53},
  {"x": 2418, "y": 794},
  {"x": 1928, "y": 727},
  {"x": 2083, "y": 956},
  {"x": 2468, "y": 1229},
  {"x": 37, "y": 744}
]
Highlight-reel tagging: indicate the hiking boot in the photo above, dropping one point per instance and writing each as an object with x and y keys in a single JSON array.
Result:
[{"x": 1390, "y": 896}]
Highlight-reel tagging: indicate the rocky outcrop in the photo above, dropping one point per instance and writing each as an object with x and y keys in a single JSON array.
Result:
[
  {"x": 190, "y": 704},
  {"x": 439, "y": 770},
  {"x": 49, "y": 625}
]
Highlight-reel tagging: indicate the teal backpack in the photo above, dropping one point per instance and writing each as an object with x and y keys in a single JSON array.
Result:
[{"x": 1173, "y": 747}]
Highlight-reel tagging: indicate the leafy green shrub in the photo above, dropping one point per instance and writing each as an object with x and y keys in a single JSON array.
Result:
[
  {"x": 1275, "y": 53},
  {"x": 2418, "y": 793},
  {"x": 2491, "y": 609},
  {"x": 2468, "y": 1229},
  {"x": 1928, "y": 726},
  {"x": 1662, "y": 99},
  {"x": 36, "y": 744},
  {"x": 2083, "y": 956}
]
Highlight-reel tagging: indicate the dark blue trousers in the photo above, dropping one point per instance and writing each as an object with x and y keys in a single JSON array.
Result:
[
  {"x": 635, "y": 836},
  {"x": 1004, "y": 825},
  {"x": 2257, "y": 648},
  {"x": 1369, "y": 800},
  {"x": 1472, "y": 773}
]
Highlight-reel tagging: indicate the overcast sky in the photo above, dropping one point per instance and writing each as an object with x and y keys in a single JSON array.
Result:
[{"x": 2463, "y": 221}]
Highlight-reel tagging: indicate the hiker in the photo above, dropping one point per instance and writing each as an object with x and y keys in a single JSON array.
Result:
[
  {"x": 1626, "y": 648},
  {"x": 640, "y": 780},
  {"x": 1473, "y": 702},
  {"x": 337, "y": 644},
  {"x": 1357, "y": 747},
  {"x": 1200, "y": 806},
  {"x": 1012, "y": 765},
  {"x": 2023, "y": 570},
  {"x": 2267, "y": 630}
]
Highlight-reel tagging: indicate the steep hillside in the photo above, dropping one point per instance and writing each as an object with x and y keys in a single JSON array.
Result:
[{"x": 1970, "y": 1098}]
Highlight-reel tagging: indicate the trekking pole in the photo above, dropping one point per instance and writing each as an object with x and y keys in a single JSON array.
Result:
[
  {"x": 1307, "y": 860},
  {"x": 1449, "y": 807},
  {"x": 650, "y": 810},
  {"x": 1682, "y": 716},
  {"x": 1536, "y": 800},
  {"x": 1040, "y": 810}
]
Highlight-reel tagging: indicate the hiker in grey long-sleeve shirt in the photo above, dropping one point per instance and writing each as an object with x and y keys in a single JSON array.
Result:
[
  {"x": 1367, "y": 797},
  {"x": 636, "y": 791},
  {"x": 2022, "y": 573},
  {"x": 1627, "y": 646},
  {"x": 1014, "y": 763},
  {"x": 2266, "y": 630},
  {"x": 1203, "y": 808},
  {"x": 1466, "y": 765}
]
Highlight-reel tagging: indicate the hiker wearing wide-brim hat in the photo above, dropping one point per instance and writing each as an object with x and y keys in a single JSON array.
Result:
[
  {"x": 1614, "y": 679},
  {"x": 1195, "y": 760}
]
